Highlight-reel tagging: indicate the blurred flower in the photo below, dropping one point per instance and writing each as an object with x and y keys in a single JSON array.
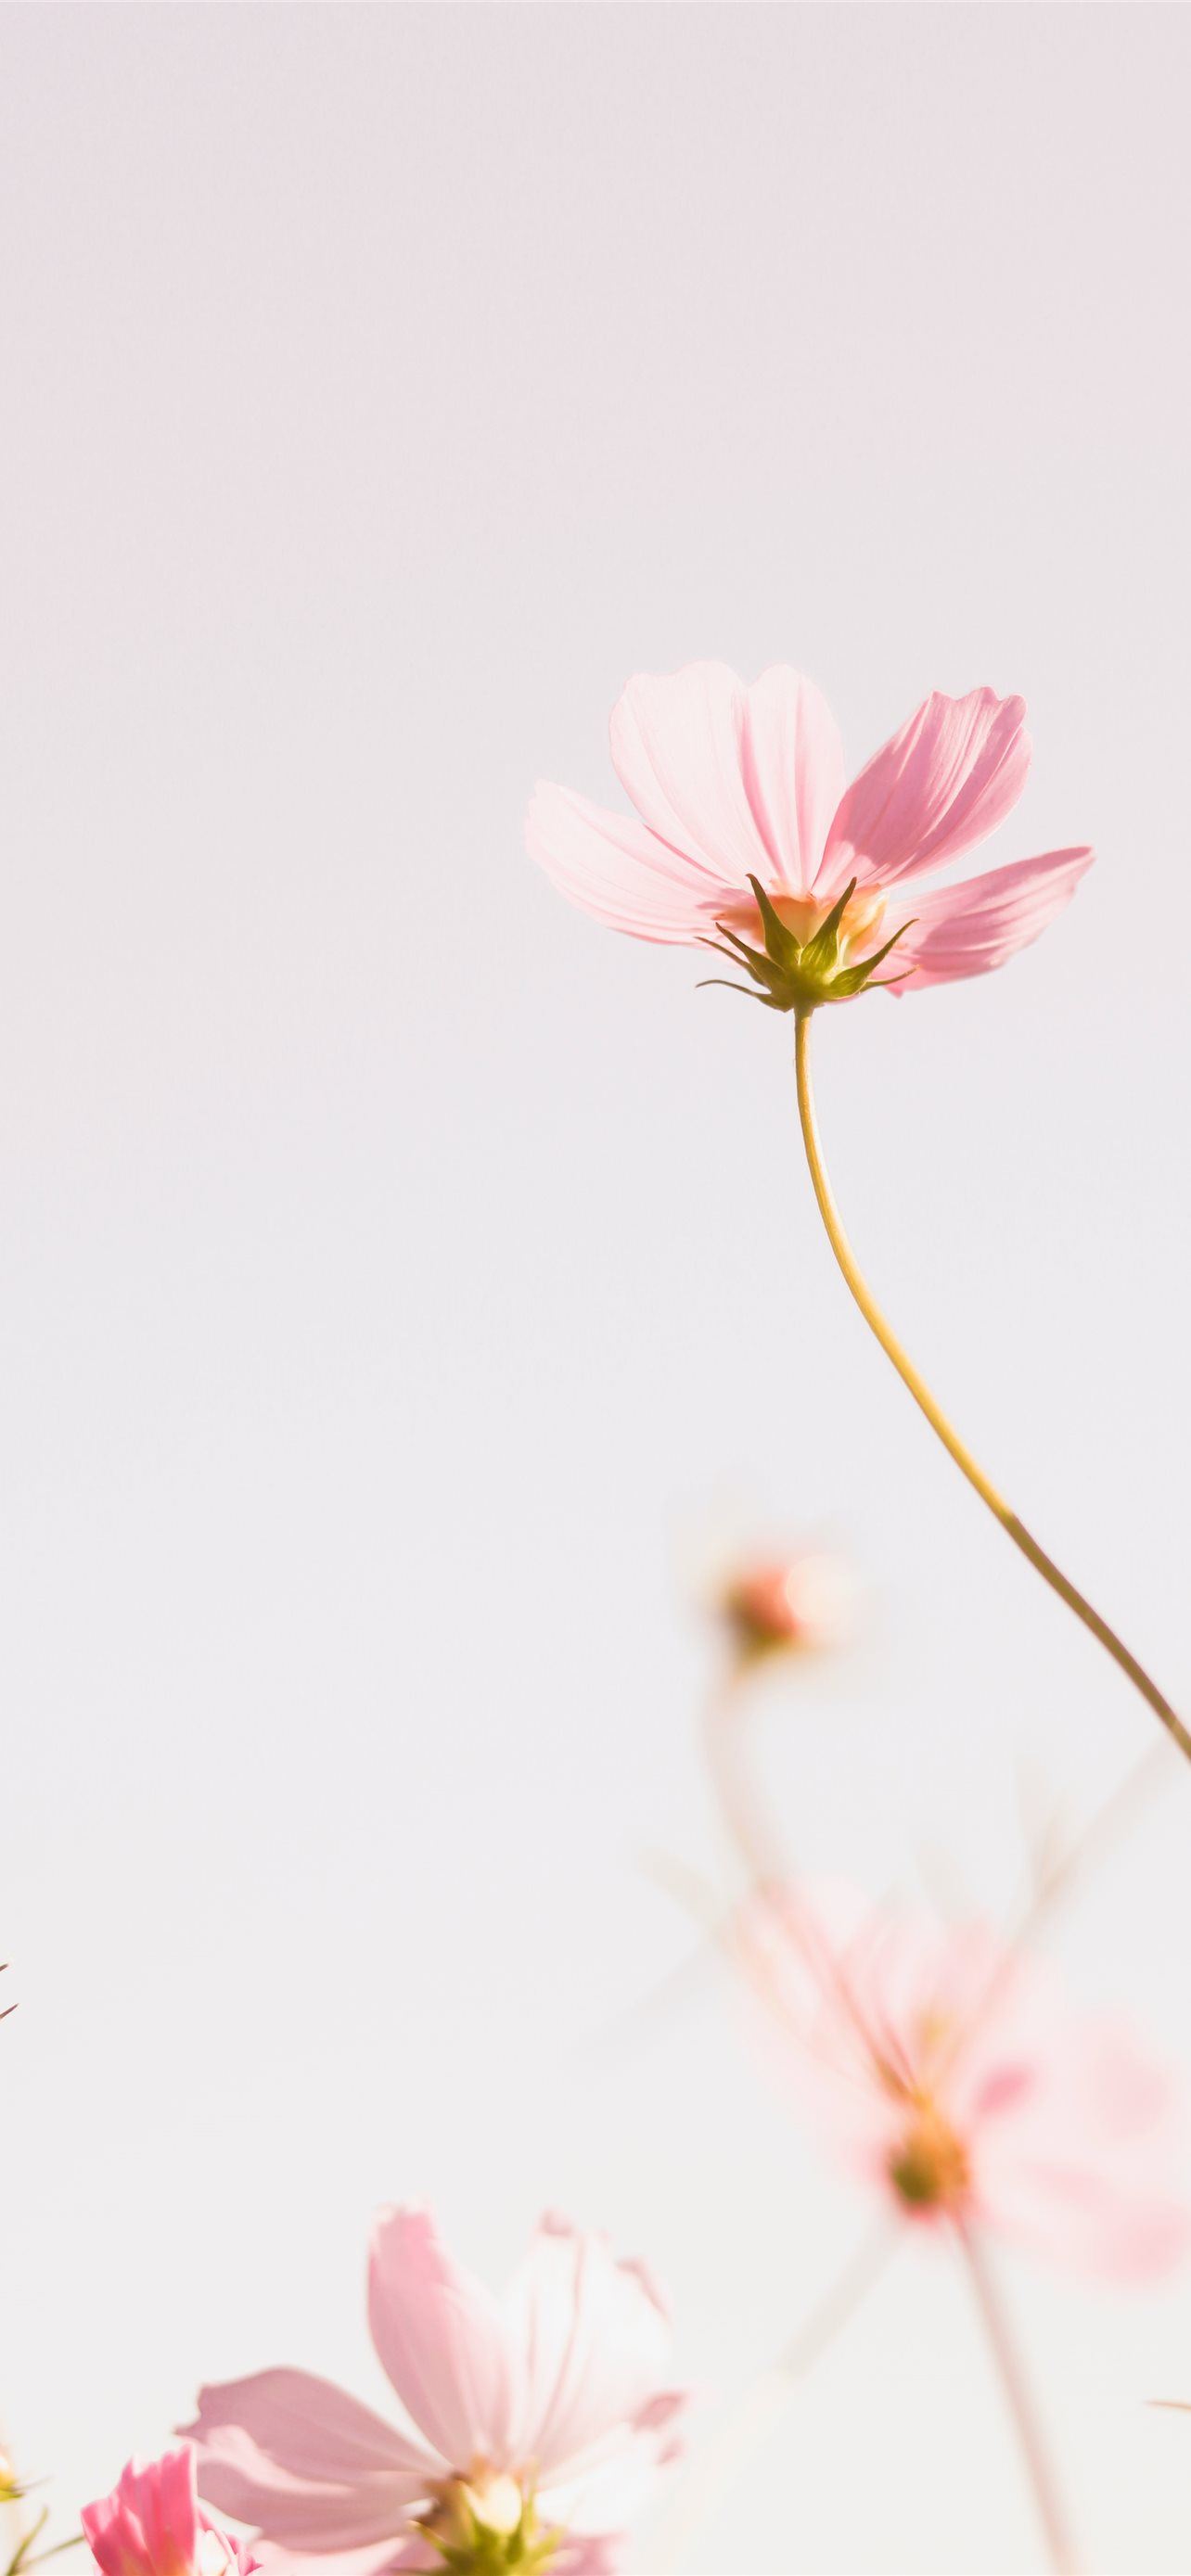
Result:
[
  {"x": 529, "y": 2429},
  {"x": 151, "y": 2525},
  {"x": 946, "y": 2071},
  {"x": 748, "y": 828},
  {"x": 776, "y": 1605}
]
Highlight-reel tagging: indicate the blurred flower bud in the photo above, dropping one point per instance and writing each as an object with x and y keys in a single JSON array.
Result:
[{"x": 786, "y": 1605}]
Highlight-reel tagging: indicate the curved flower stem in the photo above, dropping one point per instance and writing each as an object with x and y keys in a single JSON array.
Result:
[
  {"x": 967, "y": 1464},
  {"x": 1020, "y": 2404}
]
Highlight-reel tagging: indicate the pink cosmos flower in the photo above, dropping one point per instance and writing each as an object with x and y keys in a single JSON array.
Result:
[
  {"x": 151, "y": 2525},
  {"x": 527, "y": 2430},
  {"x": 735, "y": 784},
  {"x": 945, "y": 2071}
]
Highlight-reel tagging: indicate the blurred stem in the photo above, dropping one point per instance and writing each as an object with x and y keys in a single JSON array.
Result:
[
  {"x": 724, "y": 1732},
  {"x": 1020, "y": 2403},
  {"x": 917, "y": 1387},
  {"x": 759, "y": 2405}
]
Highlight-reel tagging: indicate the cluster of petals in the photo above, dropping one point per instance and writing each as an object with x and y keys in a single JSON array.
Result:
[
  {"x": 555, "y": 2398},
  {"x": 152, "y": 2525},
  {"x": 732, "y": 782},
  {"x": 944, "y": 2067}
]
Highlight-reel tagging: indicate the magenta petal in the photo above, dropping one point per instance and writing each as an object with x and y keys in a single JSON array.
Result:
[
  {"x": 613, "y": 867},
  {"x": 304, "y": 2463},
  {"x": 967, "y": 929},
  {"x": 439, "y": 2336},
  {"x": 941, "y": 784},
  {"x": 149, "y": 2522}
]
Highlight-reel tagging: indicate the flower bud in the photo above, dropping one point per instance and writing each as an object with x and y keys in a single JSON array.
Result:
[{"x": 785, "y": 1605}]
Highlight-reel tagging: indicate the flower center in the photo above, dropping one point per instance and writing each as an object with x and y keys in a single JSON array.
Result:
[
  {"x": 929, "y": 2167},
  {"x": 486, "y": 2523},
  {"x": 802, "y": 914}
]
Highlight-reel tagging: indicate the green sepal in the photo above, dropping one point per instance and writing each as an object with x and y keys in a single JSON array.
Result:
[
  {"x": 527, "y": 2550},
  {"x": 854, "y": 978},
  {"x": 793, "y": 976},
  {"x": 726, "y": 985},
  {"x": 774, "y": 979},
  {"x": 780, "y": 943},
  {"x": 820, "y": 957}
]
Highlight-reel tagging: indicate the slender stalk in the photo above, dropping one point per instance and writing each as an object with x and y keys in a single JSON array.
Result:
[
  {"x": 757, "y": 1847},
  {"x": 927, "y": 1404},
  {"x": 1021, "y": 2406}
]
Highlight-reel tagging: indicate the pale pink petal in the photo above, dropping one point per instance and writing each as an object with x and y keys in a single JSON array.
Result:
[
  {"x": 792, "y": 760},
  {"x": 676, "y": 749},
  {"x": 598, "y": 2555},
  {"x": 594, "y": 2342},
  {"x": 967, "y": 929},
  {"x": 304, "y": 2463},
  {"x": 941, "y": 784},
  {"x": 606, "y": 2488},
  {"x": 374, "y": 2560},
  {"x": 1084, "y": 2221},
  {"x": 440, "y": 2338},
  {"x": 1083, "y": 2166},
  {"x": 613, "y": 867}
]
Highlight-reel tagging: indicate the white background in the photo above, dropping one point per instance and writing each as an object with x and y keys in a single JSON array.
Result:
[{"x": 402, "y": 1277}]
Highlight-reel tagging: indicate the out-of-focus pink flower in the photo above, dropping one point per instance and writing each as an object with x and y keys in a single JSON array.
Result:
[
  {"x": 734, "y": 783},
  {"x": 775, "y": 1605},
  {"x": 151, "y": 2525},
  {"x": 528, "y": 2431},
  {"x": 946, "y": 2070}
]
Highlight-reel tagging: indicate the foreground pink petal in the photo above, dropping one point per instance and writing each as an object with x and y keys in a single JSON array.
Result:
[
  {"x": 612, "y": 867},
  {"x": 296, "y": 2457},
  {"x": 967, "y": 929},
  {"x": 150, "y": 2525},
  {"x": 944, "y": 782},
  {"x": 948, "y": 2073},
  {"x": 438, "y": 2333},
  {"x": 542, "y": 2420},
  {"x": 734, "y": 783},
  {"x": 595, "y": 2337}
]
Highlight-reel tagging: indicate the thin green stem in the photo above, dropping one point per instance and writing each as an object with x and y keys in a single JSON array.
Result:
[{"x": 968, "y": 1466}]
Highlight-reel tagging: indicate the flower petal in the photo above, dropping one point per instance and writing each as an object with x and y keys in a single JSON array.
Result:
[
  {"x": 440, "y": 2338},
  {"x": 967, "y": 929},
  {"x": 304, "y": 2463},
  {"x": 1088, "y": 2169},
  {"x": 792, "y": 760},
  {"x": 149, "y": 2521},
  {"x": 942, "y": 783},
  {"x": 613, "y": 867},
  {"x": 594, "y": 2339},
  {"x": 676, "y": 749},
  {"x": 375, "y": 2560}
]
